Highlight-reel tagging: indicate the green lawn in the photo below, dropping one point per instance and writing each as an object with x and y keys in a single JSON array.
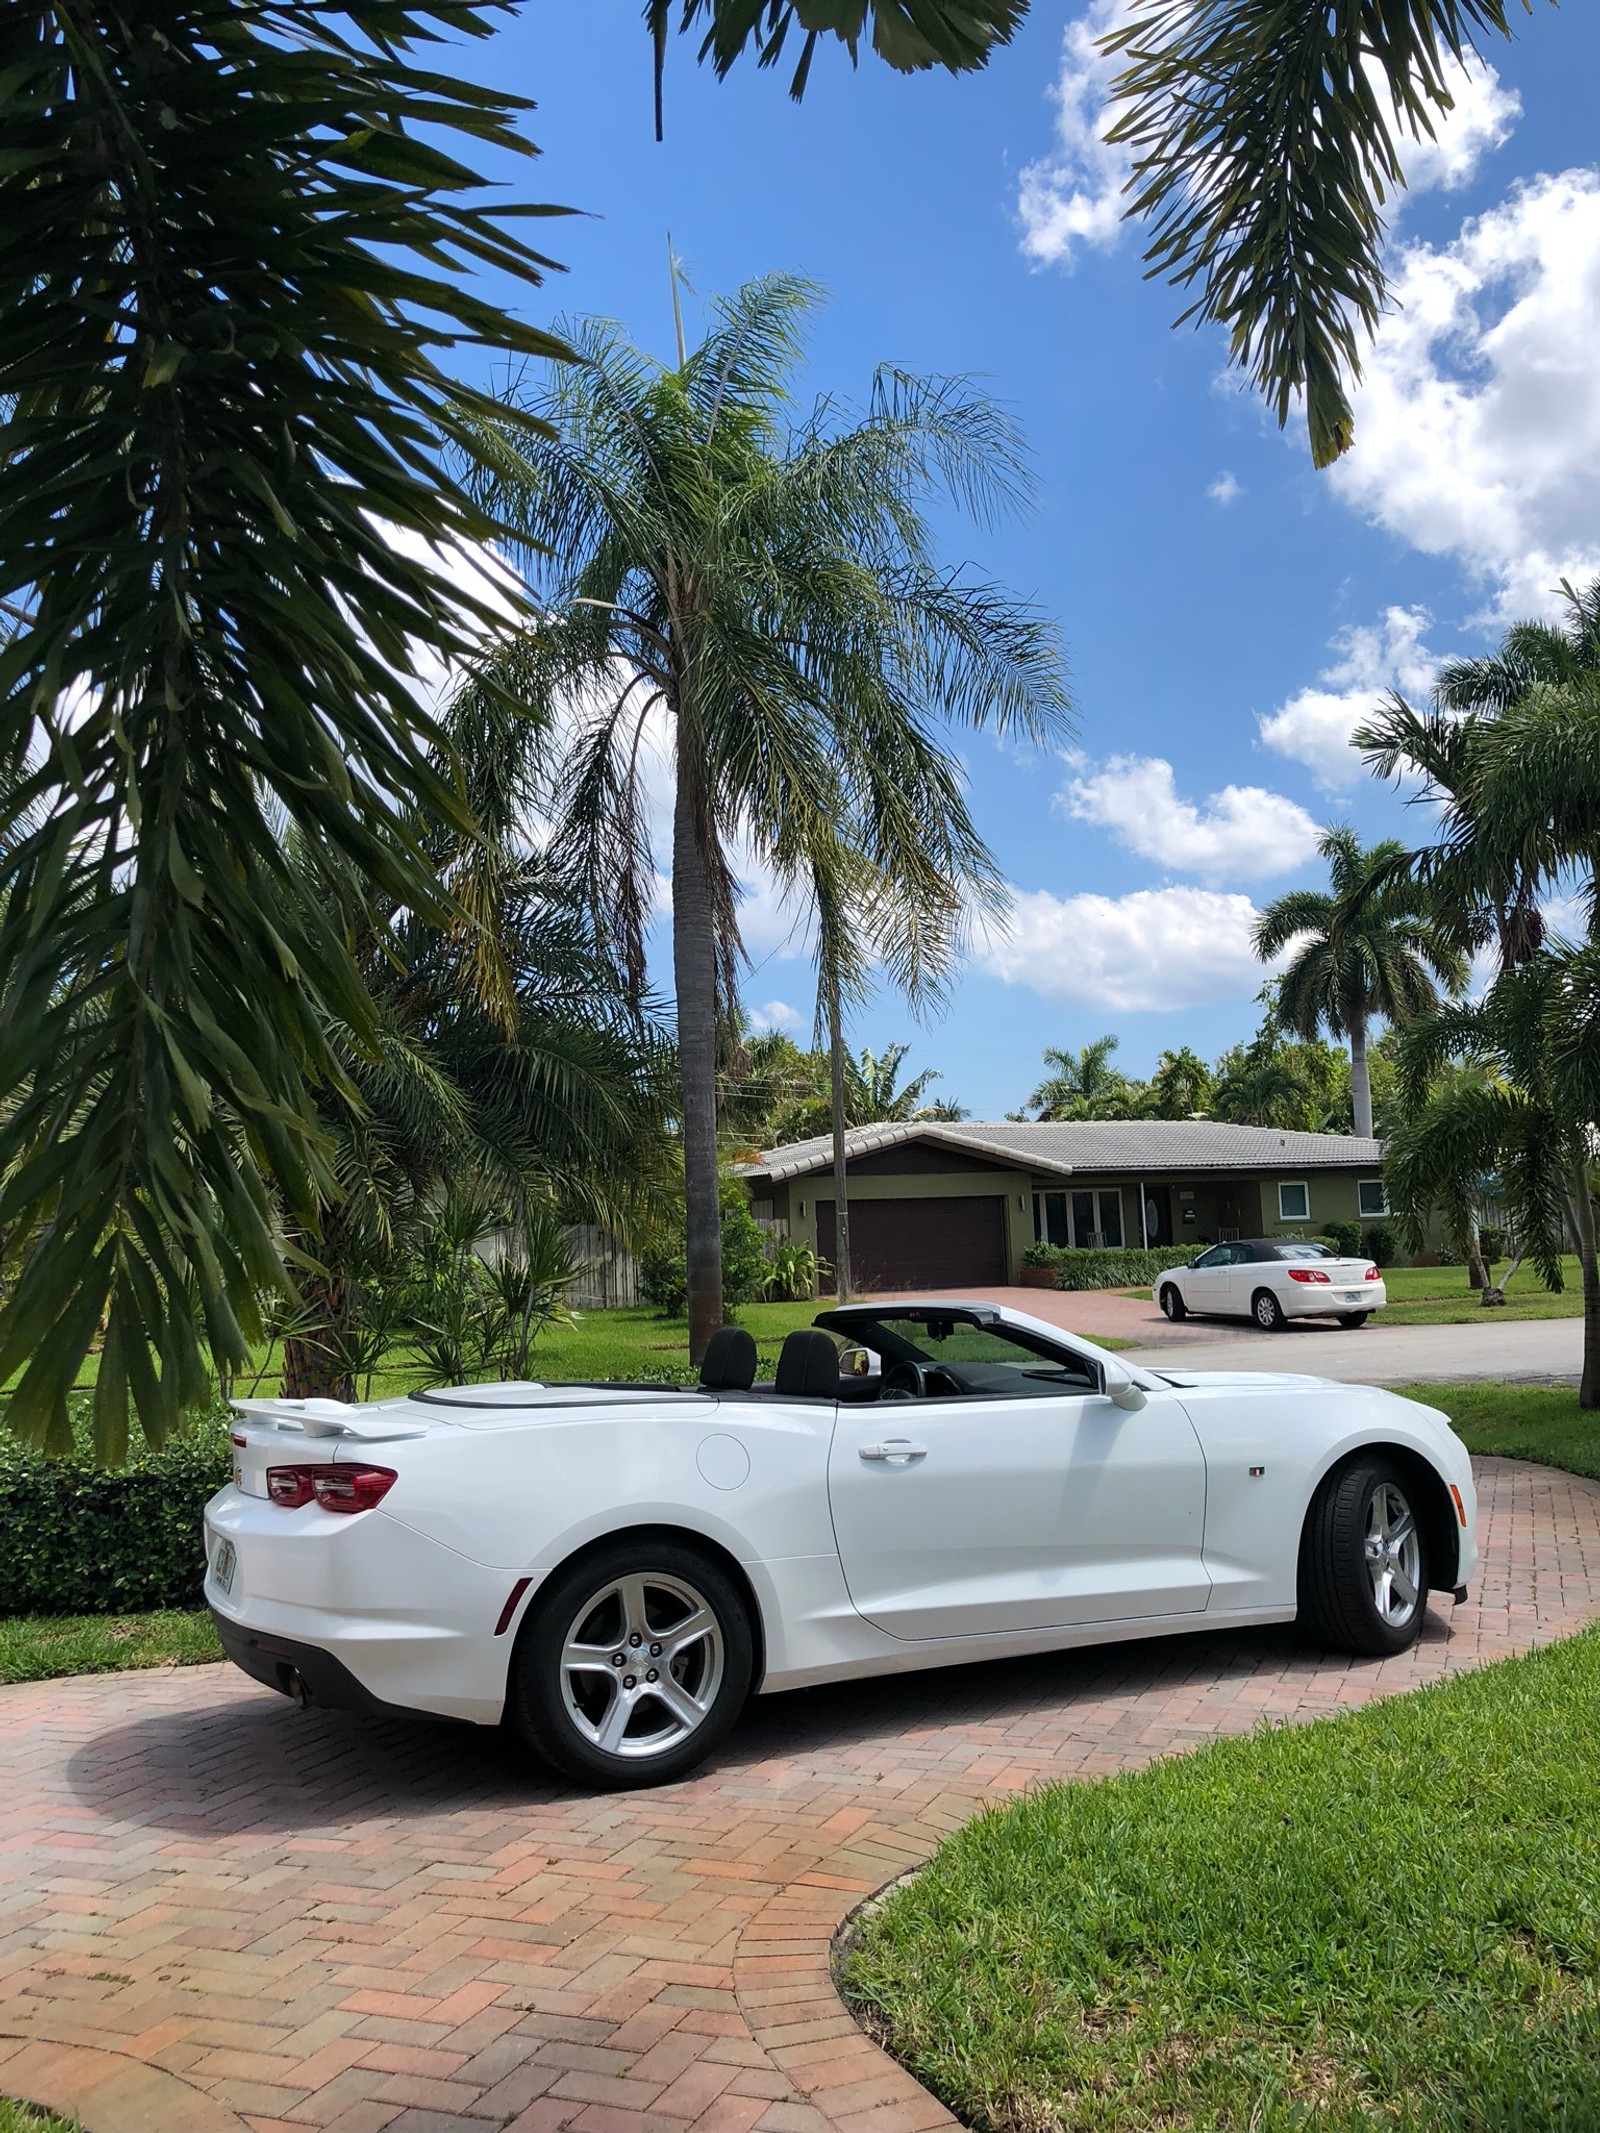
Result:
[
  {"x": 39, "y": 1647},
  {"x": 1540, "y": 1422},
  {"x": 1440, "y": 1296},
  {"x": 24, "y": 2118},
  {"x": 1387, "y": 1919}
]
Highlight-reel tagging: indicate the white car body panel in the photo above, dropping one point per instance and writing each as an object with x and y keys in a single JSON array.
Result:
[{"x": 1029, "y": 1524}]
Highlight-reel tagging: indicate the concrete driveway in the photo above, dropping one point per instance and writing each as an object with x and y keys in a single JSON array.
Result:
[{"x": 220, "y": 1914}]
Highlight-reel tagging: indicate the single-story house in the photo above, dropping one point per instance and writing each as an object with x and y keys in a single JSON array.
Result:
[{"x": 951, "y": 1206}]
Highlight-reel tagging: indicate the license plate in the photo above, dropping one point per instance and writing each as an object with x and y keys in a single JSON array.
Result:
[
  {"x": 227, "y": 1562},
  {"x": 1352, "y": 1296}
]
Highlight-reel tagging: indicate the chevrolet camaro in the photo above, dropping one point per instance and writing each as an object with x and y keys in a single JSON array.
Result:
[{"x": 611, "y": 1570}]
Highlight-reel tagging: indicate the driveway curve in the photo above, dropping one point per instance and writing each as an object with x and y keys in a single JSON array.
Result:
[{"x": 292, "y": 1920}]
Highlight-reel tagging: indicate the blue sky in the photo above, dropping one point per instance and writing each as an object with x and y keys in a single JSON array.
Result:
[{"x": 1227, "y": 612}]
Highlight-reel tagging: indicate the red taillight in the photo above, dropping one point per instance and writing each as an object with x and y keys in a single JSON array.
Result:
[
  {"x": 1371, "y": 1274},
  {"x": 336, "y": 1488},
  {"x": 1306, "y": 1273}
]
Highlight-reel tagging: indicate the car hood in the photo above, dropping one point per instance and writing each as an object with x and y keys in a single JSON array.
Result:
[{"x": 1236, "y": 1380}]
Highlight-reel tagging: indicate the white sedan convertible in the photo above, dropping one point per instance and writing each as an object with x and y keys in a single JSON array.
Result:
[
  {"x": 1271, "y": 1280},
  {"x": 613, "y": 1569}
]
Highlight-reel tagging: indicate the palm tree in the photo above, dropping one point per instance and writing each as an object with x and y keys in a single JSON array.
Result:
[
  {"x": 1267, "y": 136},
  {"x": 1083, "y": 1084},
  {"x": 1525, "y": 1113},
  {"x": 766, "y": 590},
  {"x": 1489, "y": 874},
  {"x": 213, "y": 622},
  {"x": 1181, "y": 1086},
  {"x": 1368, "y": 946}
]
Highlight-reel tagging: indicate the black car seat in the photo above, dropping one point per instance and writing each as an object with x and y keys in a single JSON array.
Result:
[
  {"x": 730, "y": 1361},
  {"x": 808, "y": 1367}
]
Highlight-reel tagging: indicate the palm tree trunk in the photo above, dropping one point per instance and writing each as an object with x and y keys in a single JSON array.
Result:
[
  {"x": 841, "y": 1183},
  {"x": 694, "y": 972},
  {"x": 1583, "y": 1208},
  {"x": 1360, "y": 1080},
  {"x": 315, "y": 1363}
]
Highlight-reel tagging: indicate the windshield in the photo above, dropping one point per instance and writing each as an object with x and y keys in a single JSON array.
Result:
[{"x": 968, "y": 1354}]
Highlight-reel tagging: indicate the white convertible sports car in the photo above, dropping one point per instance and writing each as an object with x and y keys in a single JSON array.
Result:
[
  {"x": 613, "y": 1569},
  {"x": 1271, "y": 1280}
]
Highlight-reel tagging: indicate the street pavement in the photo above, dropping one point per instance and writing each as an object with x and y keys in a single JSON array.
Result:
[{"x": 1523, "y": 1351}]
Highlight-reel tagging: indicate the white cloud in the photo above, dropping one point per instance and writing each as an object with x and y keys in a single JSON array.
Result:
[
  {"x": 776, "y": 1014},
  {"x": 1154, "y": 949},
  {"x": 1076, "y": 196},
  {"x": 1226, "y": 489},
  {"x": 1314, "y": 727},
  {"x": 1243, "y": 833},
  {"x": 1478, "y": 421}
]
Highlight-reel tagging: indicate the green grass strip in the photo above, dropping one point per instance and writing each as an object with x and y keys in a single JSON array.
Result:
[
  {"x": 1389, "y": 1919},
  {"x": 39, "y": 1647}
]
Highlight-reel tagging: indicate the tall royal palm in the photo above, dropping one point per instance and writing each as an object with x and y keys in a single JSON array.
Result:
[
  {"x": 765, "y": 588},
  {"x": 1367, "y": 946}
]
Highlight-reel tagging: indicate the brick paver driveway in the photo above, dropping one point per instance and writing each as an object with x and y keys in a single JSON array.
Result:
[{"x": 218, "y": 1911}]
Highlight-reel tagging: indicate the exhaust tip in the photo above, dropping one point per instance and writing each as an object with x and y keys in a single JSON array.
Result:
[
  {"x": 1460, "y": 1594},
  {"x": 295, "y": 1685}
]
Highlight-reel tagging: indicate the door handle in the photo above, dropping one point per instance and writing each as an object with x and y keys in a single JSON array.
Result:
[{"x": 895, "y": 1451}]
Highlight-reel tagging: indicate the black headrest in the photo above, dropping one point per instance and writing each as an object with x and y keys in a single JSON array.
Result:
[
  {"x": 808, "y": 1364},
  {"x": 730, "y": 1360}
]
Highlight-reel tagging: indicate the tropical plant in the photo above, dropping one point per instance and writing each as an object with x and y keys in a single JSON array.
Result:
[
  {"x": 1266, "y": 135},
  {"x": 766, "y": 590},
  {"x": 743, "y": 1257},
  {"x": 1084, "y": 1084},
  {"x": 1370, "y": 945},
  {"x": 1524, "y": 1114},
  {"x": 234, "y": 247},
  {"x": 792, "y": 1274},
  {"x": 1274, "y": 1081},
  {"x": 1180, "y": 1087}
]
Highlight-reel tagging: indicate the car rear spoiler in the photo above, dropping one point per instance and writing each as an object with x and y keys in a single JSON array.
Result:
[{"x": 328, "y": 1418}]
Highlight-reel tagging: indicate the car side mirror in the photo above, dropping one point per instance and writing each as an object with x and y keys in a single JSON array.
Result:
[
  {"x": 857, "y": 1363},
  {"x": 1124, "y": 1391}
]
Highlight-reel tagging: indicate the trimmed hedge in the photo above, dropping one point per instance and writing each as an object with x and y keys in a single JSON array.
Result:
[
  {"x": 80, "y": 1539},
  {"x": 1128, "y": 1268}
]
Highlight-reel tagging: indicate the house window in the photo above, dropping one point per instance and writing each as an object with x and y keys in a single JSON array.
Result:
[
  {"x": 1050, "y": 1223},
  {"x": 1294, "y": 1203},
  {"x": 1371, "y": 1197},
  {"x": 1097, "y": 1219}
]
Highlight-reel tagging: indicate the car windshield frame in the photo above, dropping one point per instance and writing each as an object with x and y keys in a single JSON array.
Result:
[{"x": 866, "y": 1326}]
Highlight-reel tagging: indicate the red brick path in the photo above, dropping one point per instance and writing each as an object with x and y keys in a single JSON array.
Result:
[{"x": 217, "y": 1911}]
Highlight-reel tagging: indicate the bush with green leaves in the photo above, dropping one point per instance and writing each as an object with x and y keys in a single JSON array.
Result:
[
  {"x": 792, "y": 1273},
  {"x": 82, "y": 1539},
  {"x": 663, "y": 1260},
  {"x": 1492, "y": 1242},
  {"x": 1130, "y": 1267},
  {"x": 1343, "y": 1238},
  {"x": 1381, "y": 1243}
]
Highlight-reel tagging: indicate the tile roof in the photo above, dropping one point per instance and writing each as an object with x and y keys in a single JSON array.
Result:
[{"x": 1068, "y": 1147}]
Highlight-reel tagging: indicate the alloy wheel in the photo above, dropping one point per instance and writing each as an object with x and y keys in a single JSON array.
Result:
[
  {"x": 641, "y": 1665},
  {"x": 1393, "y": 1552}
]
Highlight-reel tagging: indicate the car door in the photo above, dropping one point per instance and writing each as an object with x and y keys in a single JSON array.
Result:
[
  {"x": 1241, "y": 1279},
  {"x": 1205, "y": 1280},
  {"x": 970, "y": 1517}
]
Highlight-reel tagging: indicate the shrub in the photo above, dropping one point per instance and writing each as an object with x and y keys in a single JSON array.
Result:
[
  {"x": 1492, "y": 1242},
  {"x": 1128, "y": 1267},
  {"x": 88, "y": 1540},
  {"x": 1345, "y": 1239},
  {"x": 663, "y": 1274},
  {"x": 1381, "y": 1244},
  {"x": 792, "y": 1272}
]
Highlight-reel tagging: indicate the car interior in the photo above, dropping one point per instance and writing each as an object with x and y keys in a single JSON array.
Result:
[{"x": 906, "y": 1352}]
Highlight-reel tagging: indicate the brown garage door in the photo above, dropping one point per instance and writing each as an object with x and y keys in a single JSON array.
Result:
[{"x": 921, "y": 1244}]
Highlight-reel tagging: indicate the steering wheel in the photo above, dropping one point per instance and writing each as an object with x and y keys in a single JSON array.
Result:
[{"x": 918, "y": 1381}]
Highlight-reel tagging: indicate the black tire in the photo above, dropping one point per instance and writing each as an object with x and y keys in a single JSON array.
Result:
[
  {"x": 561, "y": 1713},
  {"x": 1350, "y": 1320},
  {"x": 1172, "y": 1302},
  {"x": 1267, "y": 1312},
  {"x": 1339, "y": 1601}
]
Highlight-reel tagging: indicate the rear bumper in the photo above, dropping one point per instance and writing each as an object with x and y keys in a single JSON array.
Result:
[
  {"x": 1311, "y": 1300},
  {"x": 304, "y": 1672}
]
